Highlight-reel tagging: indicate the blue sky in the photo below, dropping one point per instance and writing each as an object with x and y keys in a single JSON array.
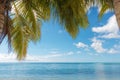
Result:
[{"x": 100, "y": 42}]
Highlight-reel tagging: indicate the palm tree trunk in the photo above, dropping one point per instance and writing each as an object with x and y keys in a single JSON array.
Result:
[
  {"x": 5, "y": 21},
  {"x": 116, "y": 4},
  {"x": 5, "y": 7},
  {"x": 2, "y": 10}
]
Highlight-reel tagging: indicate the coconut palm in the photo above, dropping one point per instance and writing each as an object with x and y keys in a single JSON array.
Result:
[
  {"x": 26, "y": 24},
  {"x": 116, "y": 4},
  {"x": 5, "y": 21},
  {"x": 105, "y": 5},
  {"x": 23, "y": 25},
  {"x": 112, "y": 5}
]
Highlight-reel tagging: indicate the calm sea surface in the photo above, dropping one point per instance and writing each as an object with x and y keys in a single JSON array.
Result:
[{"x": 59, "y": 71}]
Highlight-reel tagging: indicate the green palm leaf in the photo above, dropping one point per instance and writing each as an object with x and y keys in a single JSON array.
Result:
[
  {"x": 21, "y": 33},
  {"x": 105, "y": 5},
  {"x": 71, "y": 14}
]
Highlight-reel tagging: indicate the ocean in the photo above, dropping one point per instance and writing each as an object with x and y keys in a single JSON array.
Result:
[{"x": 59, "y": 71}]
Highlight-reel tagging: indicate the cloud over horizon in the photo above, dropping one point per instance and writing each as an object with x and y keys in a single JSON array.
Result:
[{"x": 4, "y": 57}]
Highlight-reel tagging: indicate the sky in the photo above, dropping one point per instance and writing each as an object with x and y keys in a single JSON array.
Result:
[{"x": 100, "y": 42}]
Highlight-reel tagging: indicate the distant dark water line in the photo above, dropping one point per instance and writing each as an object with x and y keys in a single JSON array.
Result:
[{"x": 59, "y": 63}]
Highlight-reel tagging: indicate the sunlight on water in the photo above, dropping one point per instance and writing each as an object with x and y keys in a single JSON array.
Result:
[{"x": 100, "y": 73}]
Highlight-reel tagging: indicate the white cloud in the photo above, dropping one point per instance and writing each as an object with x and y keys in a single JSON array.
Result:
[
  {"x": 7, "y": 57},
  {"x": 110, "y": 30},
  {"x": 52, "y": 55},
  {"x": 114, "y": 50},
  {"x": 29, "y": 58},
  {"x": 97, "y": 45},
  {"x": 70, "y": 53},
  {"x": 33, "y": 58},
  {"x": 111, "y": 35},
  {"x": 80, "y": 45},
  {"x": 48, "y": 57},
  {"x": 53, "y": 51},
  {"x": 12, "y": 58}
]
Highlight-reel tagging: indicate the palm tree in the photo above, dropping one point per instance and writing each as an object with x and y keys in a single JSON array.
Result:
[
  {"x": 26, "y": 26},
  {"x": 116, "y": 4},
  {"x": 23, "y": 25},
  {"x": 5, "y": 21},
  {"x": 112, "y": 5}
]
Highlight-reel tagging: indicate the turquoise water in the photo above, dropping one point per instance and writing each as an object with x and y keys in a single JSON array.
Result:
[{"x": 59, "y": 71}]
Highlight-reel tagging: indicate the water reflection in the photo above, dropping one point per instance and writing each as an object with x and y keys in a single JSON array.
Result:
[
  {"x": 108, "y": 71},
  {"x": 100, "y": 73}
]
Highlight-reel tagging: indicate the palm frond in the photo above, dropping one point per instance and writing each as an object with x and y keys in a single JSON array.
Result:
[
  {"x": 105, "y": 5},
  {"x": 71, "y": 14},
  {"x": 25, "y": 9},
  {"x": 21, "y": 33},
  {"x": 43, "y": 9}
]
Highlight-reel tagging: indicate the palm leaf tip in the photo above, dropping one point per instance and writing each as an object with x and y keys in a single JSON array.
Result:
[
  {"x": 71, "y": 14},
  {"x": 104, "y": 5},
  {"x": 26, "y": 28}
]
